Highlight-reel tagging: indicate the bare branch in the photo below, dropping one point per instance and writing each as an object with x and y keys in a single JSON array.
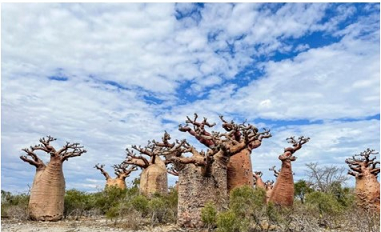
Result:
[
  {"x": 276, "y": 173},
  {"x": 76, "y": 150},
  {"x": 324, "y": 178},
  {"x": 139, "y": 161},
  {"x": 198, "y": 130},
  {"x": 361, "y": 162},
  {"x": 173, "y": 171},
  {"x": 296, "y": 144},
  {"x": 100, "y": 168},
  {"x": 123, "y": 170},
  {"x": 35, "y": 160},
  {"x": 165, "y": 141}
]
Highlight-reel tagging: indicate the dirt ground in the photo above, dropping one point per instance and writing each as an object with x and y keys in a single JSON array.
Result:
[{"x": 85, "y": 225}]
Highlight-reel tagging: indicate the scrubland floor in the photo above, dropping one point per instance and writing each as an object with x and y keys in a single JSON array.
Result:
[{"x": 83, "y": 225}]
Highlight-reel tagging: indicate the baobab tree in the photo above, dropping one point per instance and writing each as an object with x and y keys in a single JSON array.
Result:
[
  {"x": 122, "y": 171},
  {"x": 258, "y": 180},
  {"x": 203, "y": 177},
  {"x": 153, "y": 178},
  {"x": 267, "y": 186},
  {"x": 240, "y": 166},
  {"x": 283, "y": 191},
  {"x": 46, "y": 201},
  {"x": 365, "y": 170}
]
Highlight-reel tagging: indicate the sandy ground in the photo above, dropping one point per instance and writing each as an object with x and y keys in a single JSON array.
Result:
[{"x": 88, "y": 225}]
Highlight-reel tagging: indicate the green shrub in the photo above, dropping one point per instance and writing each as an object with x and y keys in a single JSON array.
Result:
[
  {"x": 301, "y": 189},
  {"x": 226, "y": 221},
  {"x": 272, "y": 213},
  {"x": 172, "y": 198},
  {"x": 247, "y": 203},
  {"x": 325, "y": 203},
  {"x": 140, "y": 204},
  {"x": 76, "y": 203},
  {"x": 209, "y": 215},
  {"x": 110, "y": 197},
  {"x": 113, "y": 212},
  {"x": 14, "y": 206},
  {"x": 158, "y": 209}
]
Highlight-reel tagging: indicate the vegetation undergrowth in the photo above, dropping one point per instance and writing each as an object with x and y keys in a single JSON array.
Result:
[{"x": 312, "y": 211}]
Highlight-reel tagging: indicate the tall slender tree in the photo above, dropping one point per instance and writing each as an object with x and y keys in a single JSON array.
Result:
[{"x": 283, "y": 191}]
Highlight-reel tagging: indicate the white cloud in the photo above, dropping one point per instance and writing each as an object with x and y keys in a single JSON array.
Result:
[
  {"x": 145, "y": 50},
  {"x": 330, "y": 144}
]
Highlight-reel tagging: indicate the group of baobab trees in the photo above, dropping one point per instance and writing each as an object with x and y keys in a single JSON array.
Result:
[{"x": 203, "y": 176}]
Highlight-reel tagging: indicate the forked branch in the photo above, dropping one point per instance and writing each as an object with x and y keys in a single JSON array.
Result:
[
  {"x": 361, "y": 162},
  {"x": 66, "y": 152},
  {"x": 198, "y": 130},
  {"x": 123, "y": 170},
  {"x": 100, "y": 168},
  {"x": 33, "y": 160},
  {"x": 296, "y": 145},
  {"x": 276, "y": 173},
  {"x": 134, "y": 159}
]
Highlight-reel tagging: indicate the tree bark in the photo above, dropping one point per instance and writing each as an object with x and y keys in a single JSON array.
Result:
[
  {"x": 47, "y": 194},
  {"x": 368, "y": 192},
  {"x": 283, "y": 191},
  {"x": 116, "y": 182},
  {"x": 240, "y": 170},
  {"x": 195, "y": 190},
  {"x": 153, "y": 179}
]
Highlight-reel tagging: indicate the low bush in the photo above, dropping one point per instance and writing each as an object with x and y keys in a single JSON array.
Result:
[
  {"x": 14, "y": 206},
  {"x": 209, "y": 215},
  {"x": 227, "y": 222}
]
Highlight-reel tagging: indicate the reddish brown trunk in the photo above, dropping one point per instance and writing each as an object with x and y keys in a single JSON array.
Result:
[
  {"x": 195, "y": 190},
  {"x": 153, "y": 179},
  {"x": 47, "y": 194},
  {"x": 260, "y": 184},
  {"x": 283, "y": 191},
  {"x": 240, "y": 170}
]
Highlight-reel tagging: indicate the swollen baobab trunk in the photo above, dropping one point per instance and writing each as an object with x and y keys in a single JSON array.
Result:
[
  {"x": 367, "y": 187},
  {"x": 283, "y": 190},
  {"x": 153, "y": 178},
  {"x": 46, "y": 201},
  {"x": 240, "y": 166},
  {"x": 122, "y": 171}
]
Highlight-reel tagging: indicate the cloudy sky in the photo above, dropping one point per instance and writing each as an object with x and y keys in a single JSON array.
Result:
[{"x": 113, "y": 75}]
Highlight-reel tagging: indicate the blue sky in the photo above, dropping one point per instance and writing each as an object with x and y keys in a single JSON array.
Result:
[{"x": 113, "y": 75}]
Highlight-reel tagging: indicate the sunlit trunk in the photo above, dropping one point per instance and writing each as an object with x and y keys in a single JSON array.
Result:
[
  {"x": 153, "y": 179},
  {"x": 47, "y": 194},
  {"x": 283, "y": 191}
]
